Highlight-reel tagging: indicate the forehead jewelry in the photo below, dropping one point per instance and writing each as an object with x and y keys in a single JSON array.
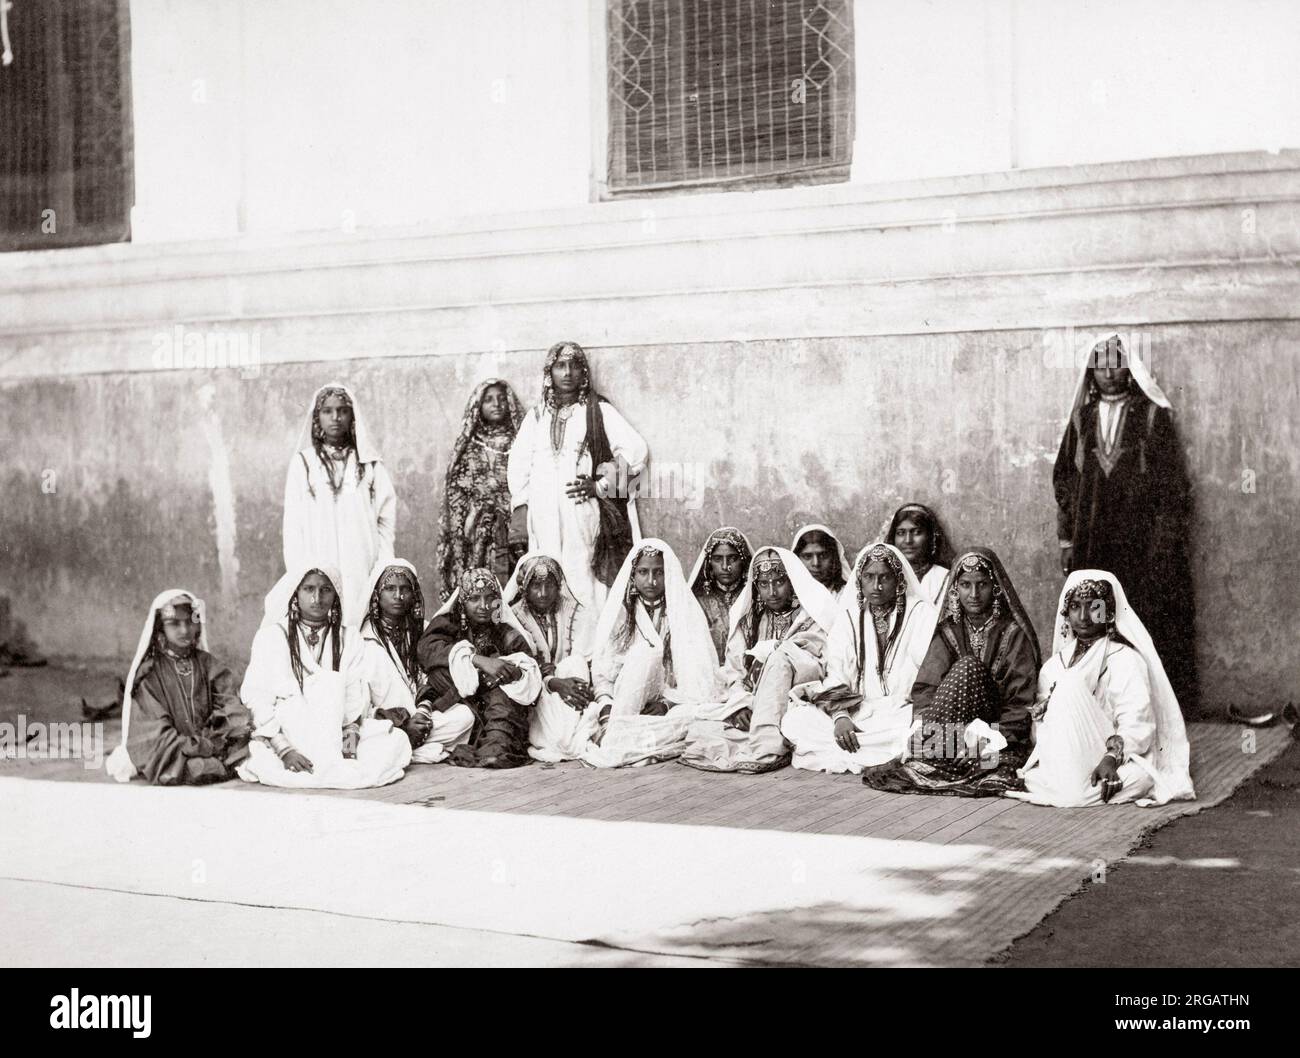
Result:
[
  {"x": 170, "y": 610},
  {"x": 395, "y": 575},
  {"x": 479, "y": 580}
]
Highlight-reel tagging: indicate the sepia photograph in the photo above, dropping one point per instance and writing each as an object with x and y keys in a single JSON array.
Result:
[{"x": 645, "y": 484}]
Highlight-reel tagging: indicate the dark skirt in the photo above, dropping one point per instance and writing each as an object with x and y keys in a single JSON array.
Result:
[{"x": 939, "y": 761}]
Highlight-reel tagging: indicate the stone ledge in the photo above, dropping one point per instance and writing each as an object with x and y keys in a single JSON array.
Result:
[
  {"x": 1118, "y": 297},
  {"x": 1211, "y": 237}
]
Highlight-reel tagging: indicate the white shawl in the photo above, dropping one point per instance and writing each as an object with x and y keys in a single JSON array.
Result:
[
  {"x": 695, "y": 661},
  {"x": 1170, "y": 754}
]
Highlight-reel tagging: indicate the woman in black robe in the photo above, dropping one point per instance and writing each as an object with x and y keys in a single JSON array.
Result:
[
  {"x": 474, "y": 652},
  {"x": 1124, "y": 502}
]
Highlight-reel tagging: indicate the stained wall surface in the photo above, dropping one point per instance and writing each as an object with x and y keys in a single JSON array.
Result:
[{"x": 817, "y": 358}]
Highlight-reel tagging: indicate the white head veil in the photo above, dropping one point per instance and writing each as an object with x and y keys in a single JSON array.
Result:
[
  {"x": 698, "y": 568},
  {"x": 817, "y": 527},
  {"x": 919, "y": 618},
  {"x": 695, "y": 659},
  {"x": 914, "y": 591},
  {"x": 819, "y": 603},
  {"x": 367, "y": 452},
  {"x": 119, "y": 761},
  {"x": 514, "y": 588},
  {"x": 505, "y": 615},
  {"x": 372, "y": 582},
  {"x": 1171, "y": 753},
  {"x": 1137, "y": 367},
  {"x": 275, "y": 609}
]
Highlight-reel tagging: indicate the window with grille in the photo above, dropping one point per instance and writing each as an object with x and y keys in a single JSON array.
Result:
[
  {"x": 720, "y": 93},
  {"x": 65, "y": 128}
]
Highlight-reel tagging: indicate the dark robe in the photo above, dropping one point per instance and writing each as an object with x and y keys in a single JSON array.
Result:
[
  {"x": 1130, "y": 516},
  {"x": 171, "y": 743},
  {"x": 614, "y": 538},
  {"x": 500, "y": 732}
]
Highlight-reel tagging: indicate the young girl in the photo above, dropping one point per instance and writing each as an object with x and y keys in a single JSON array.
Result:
[
  {"x": 182, "y": 722},
  {"x": 308, "y": 697}
]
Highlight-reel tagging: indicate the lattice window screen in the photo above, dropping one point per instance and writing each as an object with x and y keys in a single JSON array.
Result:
[
  {"x": 65, "y": 125},
  {"x": 718, "y": 92}
]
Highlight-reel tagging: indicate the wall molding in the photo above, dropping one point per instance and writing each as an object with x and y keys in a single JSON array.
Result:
[{"x": 1171, "y": 240}]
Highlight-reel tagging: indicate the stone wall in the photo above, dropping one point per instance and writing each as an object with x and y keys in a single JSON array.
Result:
[{"x": 819, "y": 355}]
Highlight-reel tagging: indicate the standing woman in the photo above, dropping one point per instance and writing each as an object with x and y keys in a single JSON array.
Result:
[
  {"x": 340, "y": 507},
  {"x": 475, "y": 525},
  {"x": 569, "y": 470},
  {"x": 1124, "y": 502},
  {"x": 916, "y": 532}
]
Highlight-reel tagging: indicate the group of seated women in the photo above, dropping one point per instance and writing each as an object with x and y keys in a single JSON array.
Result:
[{"x": 921, "y": 676}]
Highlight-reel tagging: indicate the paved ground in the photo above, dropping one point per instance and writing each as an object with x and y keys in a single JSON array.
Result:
[
  {"x": 35, "y": 918},
  {"x": 1219, "y": 888},
  {"x": 919, "y": 880}
]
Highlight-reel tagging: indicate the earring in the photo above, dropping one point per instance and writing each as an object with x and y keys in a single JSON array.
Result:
[
  {"x": 294, "y": 612},
  {"x": 997, "y": 604}
]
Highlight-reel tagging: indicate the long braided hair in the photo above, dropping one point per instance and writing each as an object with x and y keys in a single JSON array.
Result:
[
  {"x": 399, "y": 637},
  {"x": 158, "y": 640},
  {"x": 333, "y": 628},
  {"x": 630, "y": 596},
  {"x": 704, "y": 583},
  {"x": 880, "y": 553}
]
